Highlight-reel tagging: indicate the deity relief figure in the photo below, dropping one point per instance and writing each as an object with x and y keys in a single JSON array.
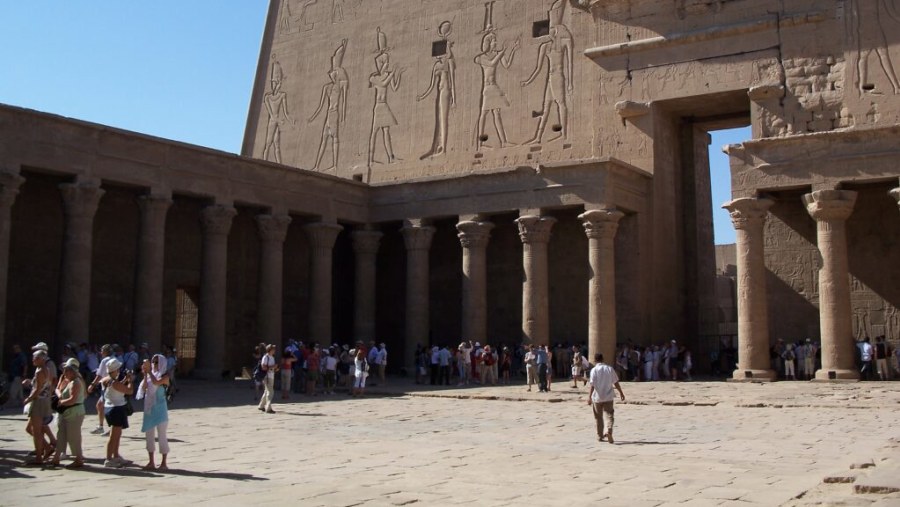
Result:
[
  {"x": 383, "y": 118},
  {"x": 556, "y": 52},
  {"x": 337, "y": 11},
  {"x": 277, "y": 109},
  {"x": 443, "y": 79},
  {"x": 493, "y": 100},
  {"x": 334, "y": 102},
  {"x": 873, "y": 22}
]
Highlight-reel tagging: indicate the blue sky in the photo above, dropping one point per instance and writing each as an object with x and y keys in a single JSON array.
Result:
[{"x": 178, "y": 69}]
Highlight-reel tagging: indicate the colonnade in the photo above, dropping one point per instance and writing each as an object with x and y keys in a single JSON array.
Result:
[
  {"x": 81, "y": 200},
  {"x": 830, "y": 209}
]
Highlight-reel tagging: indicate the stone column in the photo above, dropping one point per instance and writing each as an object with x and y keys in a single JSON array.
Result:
[
  {"x": 9, "y": 189},
  {"x": 321, "y": 237},
  {"x": 80, "y": 202},
  {"x": 365, "y": 247},
  {"x": 272, "y": 230},
  {"x": 748, "y": 215},
  {"x": 216, "y": 223},
  {"x": 474, "y": 236},
  {"x": 895, "y": 193},
  {"x": 831, "y": 209},
  {"x": 148, "y": 283},
  {"x": 601, "y": 226},
  {"x": 534, "y": 231},
  {"x": 417, "y": 238}
]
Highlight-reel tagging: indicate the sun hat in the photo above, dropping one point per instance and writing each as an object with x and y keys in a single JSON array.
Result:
[
  {"x": 72, "y": 363},
  {"x": 40, "y": 346},
  {"x": 113, "y": 365}
]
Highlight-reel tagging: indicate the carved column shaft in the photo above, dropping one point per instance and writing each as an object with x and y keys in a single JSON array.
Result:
[
  {"x": 148, "y": 283},
  {"x": 216, "y": 222},
  {"x": 80, "y": 202},
  {"x": 417, "y": 238},
  {"x": 895, "y": 193},
  {"x": 9, "y": 189},
  {"x": 322, "y": 237},
  {"x": 534, "y": 231},
  {"x": 474, "y": 237},
  {"x": 748, "y": 215},
  {"x": 365, "y": 248},
  {"x": 272, "y": 230},
  {"x": 601, "y": 226},
  {"x": 831, "y": 209}
]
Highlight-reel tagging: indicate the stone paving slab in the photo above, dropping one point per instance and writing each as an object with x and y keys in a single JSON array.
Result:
[{"x": 411, "y": 445}]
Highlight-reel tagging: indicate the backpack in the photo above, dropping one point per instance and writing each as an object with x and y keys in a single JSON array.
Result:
[{"x": 259, "y": 374}]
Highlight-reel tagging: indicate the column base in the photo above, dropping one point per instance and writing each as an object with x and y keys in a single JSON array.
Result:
[
  {"x": 836, "y": 375},
  {"x": 747, "y": 375}
]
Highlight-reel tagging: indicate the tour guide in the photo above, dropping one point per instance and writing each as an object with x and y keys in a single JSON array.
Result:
[{"x": 603, "y": 380}]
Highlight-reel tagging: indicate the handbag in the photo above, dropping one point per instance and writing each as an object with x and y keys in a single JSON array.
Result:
[
  {"x": 54, "y": 403},
  {"x": 129, "y": 408}
]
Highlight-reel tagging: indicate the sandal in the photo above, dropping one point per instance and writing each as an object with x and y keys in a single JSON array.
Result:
[{"x": 75, "y": 464}]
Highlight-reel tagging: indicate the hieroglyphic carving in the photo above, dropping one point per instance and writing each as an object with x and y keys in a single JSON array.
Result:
[
  {"x": 873, "y": 23},
  {"x": 556, "y": 53},
  {"x": 382, "y": 117},
  {"x": 334, "y": 102},
  {"x": 277, "y": 109},
  {"x": 493, "y": 100},
  {"x": 443, "y": 79},
  {"x": 713, "y": 5},
  {"x": 302, "y": 21}
]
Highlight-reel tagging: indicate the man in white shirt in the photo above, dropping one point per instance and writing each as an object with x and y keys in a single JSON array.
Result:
[
  {"x": 603, "y": 381},
  {"x": 464, "y": 361},
  {"x": 268, "y": 364}
]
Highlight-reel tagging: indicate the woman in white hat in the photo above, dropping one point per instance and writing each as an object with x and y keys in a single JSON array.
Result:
[
  {"x": 114, "y": 410},
  {"x": 156, "y": 411},
  {"x": 71, "y": 391}
]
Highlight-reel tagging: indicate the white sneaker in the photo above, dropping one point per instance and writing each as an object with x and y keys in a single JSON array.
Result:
[
  {"x": 112, "y": 463},
  {"x": 97, "y": 431},
  {"x": 105, "y": 433},
  {"x": 124, "y": 462}
]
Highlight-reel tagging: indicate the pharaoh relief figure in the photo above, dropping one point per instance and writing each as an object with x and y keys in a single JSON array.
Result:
[
  {"x": 277, "y": 109},
  {"x": 493, "y": 99},
  {"x": 334, "y": 102},
  {"x": 871, "y": 27},
  {"x": 443, "y": 80},
  {"x": 383, "y": 118},
  {"x": 556, "y": 53}
]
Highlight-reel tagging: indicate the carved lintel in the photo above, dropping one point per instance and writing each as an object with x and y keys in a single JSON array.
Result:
[
  {"x": 764, "y": 92},
  {"x": 630, "y": 109}
]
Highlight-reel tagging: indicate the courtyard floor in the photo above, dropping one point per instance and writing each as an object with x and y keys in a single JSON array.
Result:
[{"x": 691, "y": 443}]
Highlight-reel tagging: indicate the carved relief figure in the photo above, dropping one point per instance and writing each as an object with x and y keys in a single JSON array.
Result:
[
  {"x": 874, "y": 22},
  {"x": 304, "y": 25},
  {"x": 286, "y": 15},
  {"x": 277, "y": 109},
  {"x": 333, "y": 102},
  {"x": 443, "y": 79},
  {"x": 891, "y": 323},
  {"x": 383, "y": 118},
  {"x": 337, "y": 11},
  {"x": 493, "y": 100},
  {"x": 556, "y": 52}
]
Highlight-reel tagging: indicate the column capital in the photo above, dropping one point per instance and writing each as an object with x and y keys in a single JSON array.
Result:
[
  {"x": 417, "y": 237},
  {"x": 366, "y": 241},
  {"x": 154, "y": 204},
  {"x": 272, "y": 227},
  {"x": 748, "y": 211},
  {"x": 81, "y": 199},
  {"x": 474, "y": 234},
  {"x": 828, "y": 205},
  {"x": 601, "y": 223},
  {"x": 895, "y": 193},
  {"x": 535, "y": 229},
  {"x": 322, "y": 234},
  {"x": 216, "y": 219},
  {"x": 9, "y": 186}
]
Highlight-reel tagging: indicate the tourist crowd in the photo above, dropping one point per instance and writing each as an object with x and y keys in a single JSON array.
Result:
[{"x": 115, "y": 375}]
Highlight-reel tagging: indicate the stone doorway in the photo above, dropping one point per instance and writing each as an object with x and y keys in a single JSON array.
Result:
[{"x": 186, "y": 313}]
